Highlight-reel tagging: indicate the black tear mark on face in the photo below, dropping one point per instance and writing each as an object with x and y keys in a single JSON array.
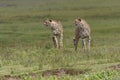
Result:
[
  {"x": 50, "y": 20},
  {"x": 79, "y": 20}
]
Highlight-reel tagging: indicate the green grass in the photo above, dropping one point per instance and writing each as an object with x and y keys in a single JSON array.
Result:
[{"x": 26, "y": 44}]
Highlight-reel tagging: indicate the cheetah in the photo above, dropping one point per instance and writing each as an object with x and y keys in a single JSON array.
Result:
[
  {"x": 57, "y": 30},
  {"x": 82, "y": 31}
]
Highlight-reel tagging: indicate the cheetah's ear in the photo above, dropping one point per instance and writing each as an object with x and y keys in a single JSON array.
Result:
[
  {"x": 50, "y": 20},
  {"x": 79, "y": 19}
]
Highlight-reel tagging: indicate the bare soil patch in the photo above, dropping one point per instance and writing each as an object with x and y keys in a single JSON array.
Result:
[
  {"x": 9, "y": 77},
  {"x": 116, "y": 67},
  {"x": 63, "y": 71},
  {"x": 47, "y": 73}
]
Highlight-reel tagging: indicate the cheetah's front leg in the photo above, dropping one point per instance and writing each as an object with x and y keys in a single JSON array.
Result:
[
  {"x": 61, "y": 41},
  {"x": 55, "y": 41}
]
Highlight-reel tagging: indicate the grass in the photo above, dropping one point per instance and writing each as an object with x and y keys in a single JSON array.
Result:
[{"x": 26, "y": 45}]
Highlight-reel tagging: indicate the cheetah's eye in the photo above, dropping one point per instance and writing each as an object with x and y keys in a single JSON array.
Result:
[
  {"x": 50, "y": 20},
  {"x": 79, "y": 19}
]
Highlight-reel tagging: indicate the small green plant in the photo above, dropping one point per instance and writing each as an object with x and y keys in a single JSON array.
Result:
[
  {"x": 105, "y": 75},
  {"x": 26, "y": 77}
]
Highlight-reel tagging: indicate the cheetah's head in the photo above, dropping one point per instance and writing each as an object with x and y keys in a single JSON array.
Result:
[
  {"x": 47, "y": 22},
  {"x": 77, "y": 21}
]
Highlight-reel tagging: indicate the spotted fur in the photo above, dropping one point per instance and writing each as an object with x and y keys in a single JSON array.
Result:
[
  {"x": 82, "y": 31},
  {"x": 57, "y": 30}
]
